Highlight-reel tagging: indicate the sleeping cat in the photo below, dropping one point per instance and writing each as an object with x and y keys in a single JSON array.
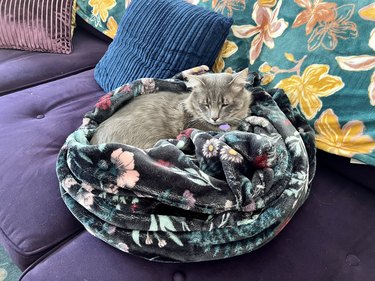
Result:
[{"x": 215, "y": 99}]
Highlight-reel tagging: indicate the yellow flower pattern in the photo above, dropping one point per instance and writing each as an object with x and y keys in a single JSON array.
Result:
[
  {"x": 368, "y": 12},
  {"x": 112, "y": 28},
  {"x": 307, "y": 89},
  {"x": 346, "y": 141},
  {"x": 228, "y": 49},
  {"x": 267, "y": 3},
  {"x": 101, "y": 7}
]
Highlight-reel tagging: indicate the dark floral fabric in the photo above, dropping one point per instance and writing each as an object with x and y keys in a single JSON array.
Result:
[{"x": 201, "y": 196}]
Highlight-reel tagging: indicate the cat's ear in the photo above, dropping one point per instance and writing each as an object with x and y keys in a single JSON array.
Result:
[
  {"x": 239, "y": 80},
  {"x": 194, "y": 81}
]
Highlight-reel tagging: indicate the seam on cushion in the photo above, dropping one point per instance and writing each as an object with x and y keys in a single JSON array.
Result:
[
  {"x": 43, "y": 81},
  {"x": 51, "y": 252},
  {"x": 36, "y": 251}
]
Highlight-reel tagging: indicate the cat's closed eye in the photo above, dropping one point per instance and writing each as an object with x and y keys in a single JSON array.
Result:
[{"x": 205, "y": 103}]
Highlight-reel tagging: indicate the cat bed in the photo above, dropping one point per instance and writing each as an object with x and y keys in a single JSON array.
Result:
[{"x": 201, "y": 196}]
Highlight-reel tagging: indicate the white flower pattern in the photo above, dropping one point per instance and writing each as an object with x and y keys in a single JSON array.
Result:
[
  {"x": 228, "y": 153},
  {"x": 211, "y": 148}
]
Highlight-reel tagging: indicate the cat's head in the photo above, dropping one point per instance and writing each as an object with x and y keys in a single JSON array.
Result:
[{"x": 219, "y": 98}]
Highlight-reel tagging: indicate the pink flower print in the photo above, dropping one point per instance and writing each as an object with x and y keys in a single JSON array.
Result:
[
  {"x": 148, "y": 239},
  {"x": 287, "y": 122},
  {"x": 68, "y": 182},
  {"x": 162, "y": 243},
  {"x": 111, "y": 230},
  {"x": 85, "y": 121},
  {"x": 268, "y": 27},
  {"x": 326, "y": 34},
  {"x": 189, "y": 199},
  {"x": 315, "y": 11},
  {"x": 261, "y": 161},
  {"x": 163, "y": 163},
  {"x": 85, "y": 199},
  {"x": 134, "y": 207},
  {"x": 124, "y": 161},
  {"x": 186, "y": 133},
  {"x": 126, "y": 88},
  {"x": 249, "y": 207},
  {"x": 86, "y": 186},
  {"x": 123, "y": 247},
  {"x": 228, "y": 205},
  {"x": 148, "y": 85},
  {"x": 104, "y": 102}
]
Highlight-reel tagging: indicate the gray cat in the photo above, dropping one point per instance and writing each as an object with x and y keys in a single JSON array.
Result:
[{"x": 215, "y": 99}]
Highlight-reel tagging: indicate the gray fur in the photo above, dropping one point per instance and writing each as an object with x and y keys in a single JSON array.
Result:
[{"x": 149, "y": 118}]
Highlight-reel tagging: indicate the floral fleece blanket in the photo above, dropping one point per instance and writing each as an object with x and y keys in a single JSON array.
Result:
[{"x": 201, "y": 196}]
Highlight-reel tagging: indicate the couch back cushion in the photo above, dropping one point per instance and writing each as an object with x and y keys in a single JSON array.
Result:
[
  {"x": 159, "y": 39},
  {"x": 37, "y": 25}
]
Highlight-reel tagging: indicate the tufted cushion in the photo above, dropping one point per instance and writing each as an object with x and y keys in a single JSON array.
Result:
[
  {"x": 330, "y": 238},
  {"x": 159, "y": 39},
  {"x": 21, "y": 69},
  {"x": 33, "y": 215}
]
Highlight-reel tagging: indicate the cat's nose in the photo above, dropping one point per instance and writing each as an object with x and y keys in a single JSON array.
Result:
[{"x": 214, "y": 118}]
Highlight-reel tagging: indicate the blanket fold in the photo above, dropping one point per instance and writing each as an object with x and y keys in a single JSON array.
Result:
[{"x": 201, "y": 196}]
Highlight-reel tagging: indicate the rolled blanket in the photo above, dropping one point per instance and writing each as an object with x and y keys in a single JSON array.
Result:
[{"x": 201, "y": 196}]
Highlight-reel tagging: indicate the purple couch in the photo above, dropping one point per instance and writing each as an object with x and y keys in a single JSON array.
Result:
[{"x": 332, "y": 237}]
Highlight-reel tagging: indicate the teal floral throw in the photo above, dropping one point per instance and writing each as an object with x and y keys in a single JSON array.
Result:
[
  {"x": 321, "y": 53},
  {"x": 201, "y": 196}
]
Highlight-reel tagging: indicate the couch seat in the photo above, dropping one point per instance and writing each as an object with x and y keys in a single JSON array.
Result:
[
  {"x": 34, "y": 125},
  {"x": 330, "y": 238}
]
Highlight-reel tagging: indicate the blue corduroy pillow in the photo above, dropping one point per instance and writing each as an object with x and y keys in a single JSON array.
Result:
[{"x": 159, "y": 39}]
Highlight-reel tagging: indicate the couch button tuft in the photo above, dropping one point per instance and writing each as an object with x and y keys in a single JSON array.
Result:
[
  {"x": 178, "y": 276},
  {"x": 40, "y": 116},
  {"x": 353, "y": 260}
]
